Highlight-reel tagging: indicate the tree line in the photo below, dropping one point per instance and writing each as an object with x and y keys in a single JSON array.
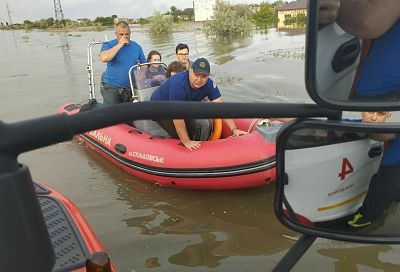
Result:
[
  {"x": 227, "y": 20},
  {"x": 176, "y": 15}
]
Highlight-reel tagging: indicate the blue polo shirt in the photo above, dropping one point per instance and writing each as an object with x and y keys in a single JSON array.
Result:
[
  {"x": 380, "y": 71},
  {"x": 391, "y": 155},
  {"x": 177, "y": 88},
  {"x": 118, "y": 68}
]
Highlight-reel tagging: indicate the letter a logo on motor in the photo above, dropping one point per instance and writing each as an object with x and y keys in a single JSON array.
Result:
[{"x": 347, "y": 168}]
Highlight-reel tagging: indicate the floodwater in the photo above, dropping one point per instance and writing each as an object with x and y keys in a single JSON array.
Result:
[{"x": 144, "y": 227}]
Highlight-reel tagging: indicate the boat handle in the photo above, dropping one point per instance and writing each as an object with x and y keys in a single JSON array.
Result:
[
  {"x": 346, "y": 55},
  {"x": 375, "y": 151},
  {"x": 120, "y": 148}
]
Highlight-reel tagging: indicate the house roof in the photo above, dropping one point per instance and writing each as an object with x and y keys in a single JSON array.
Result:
[{"x": 298, "y": 4}]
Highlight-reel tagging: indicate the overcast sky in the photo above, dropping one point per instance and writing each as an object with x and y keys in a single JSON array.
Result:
[{"x": 34, "y": 10}]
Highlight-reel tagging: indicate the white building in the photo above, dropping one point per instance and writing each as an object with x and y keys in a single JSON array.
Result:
[{"x": 203, "y": 10}]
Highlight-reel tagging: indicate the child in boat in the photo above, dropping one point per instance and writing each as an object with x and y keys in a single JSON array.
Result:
[
  {"x": 174, "y": 68},
  {"x": 384, "y": 187}
]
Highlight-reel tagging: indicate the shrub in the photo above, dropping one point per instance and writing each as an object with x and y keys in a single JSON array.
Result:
[
  {"x": 297, "y": 21},
  {"x": 143, "y": 21},
  {"x": 160, "y": 23},
  {"x": 228, "y": 21},
  {"x": 265, "y": 16}
]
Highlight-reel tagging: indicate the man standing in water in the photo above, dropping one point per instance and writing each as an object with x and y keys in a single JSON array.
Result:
[
  {"x": 192, "y": 85},
  {"x": 384, "y": 186},
  {"x": 120, "y": 54}
]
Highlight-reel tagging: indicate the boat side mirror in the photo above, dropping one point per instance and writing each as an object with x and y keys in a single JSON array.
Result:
[
  {"x": 324, "y": 172},
  {"x": 334, "y": 58}
]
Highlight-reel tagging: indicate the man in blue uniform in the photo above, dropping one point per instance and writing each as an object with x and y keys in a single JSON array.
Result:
[
  {"x": 379, "y": 21},
  {"x": 120, "y": 54},
  {"x": 384, "y": 187},
  {"x": 191, "y": 85}
]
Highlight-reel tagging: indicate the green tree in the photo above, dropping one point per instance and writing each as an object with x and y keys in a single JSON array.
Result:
[
  {"x": 278, "y": 3},
  {"x": 143, "y": 21},
  {"x": 265, "y": 16},
  {"x": 160, "y": 24},
  {"x": 105, "y": 21},
  {"x": 50, "y": 21},
  {"x": 189, "y": 12},
  {"x": 226, "y": 21},
  {"x": 243, "y": 11},
  {"x": 174, "y": 13},
  {"x": 27, "y": 24}
]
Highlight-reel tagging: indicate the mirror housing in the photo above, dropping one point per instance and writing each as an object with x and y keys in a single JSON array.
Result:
[
  {"x": 333, "y": 61},
  {"x": 323, "y": 172}
]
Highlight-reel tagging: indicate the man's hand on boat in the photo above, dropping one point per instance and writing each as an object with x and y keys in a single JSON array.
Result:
[
  {"x": 192, "y": 144},
  {"x": 182, "y": 133},
  {"x": 232, "y": 126},
  {"x": 237, "y": 132}
]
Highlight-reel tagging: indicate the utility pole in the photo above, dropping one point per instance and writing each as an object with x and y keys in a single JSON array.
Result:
[
  {"x": 10, "y": 22},
  {"x": 59, "y": 16}
]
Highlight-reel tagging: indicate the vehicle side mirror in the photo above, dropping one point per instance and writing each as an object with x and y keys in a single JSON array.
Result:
[
  {"x": 334, "y": 77},
  {"x": 324, "y": 173}
]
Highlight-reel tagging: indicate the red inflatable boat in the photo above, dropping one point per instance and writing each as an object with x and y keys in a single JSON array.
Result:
[
  {"x": 223, "y": 164},
  {"x": 75, "y": 244}
]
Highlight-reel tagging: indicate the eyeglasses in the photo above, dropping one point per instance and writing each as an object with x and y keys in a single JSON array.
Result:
[{"x": 183, "y": 54}]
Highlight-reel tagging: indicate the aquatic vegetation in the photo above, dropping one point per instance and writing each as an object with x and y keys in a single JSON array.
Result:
[
  {"x": 225, "y": 79},
  {"x": 295, "y": 54}
]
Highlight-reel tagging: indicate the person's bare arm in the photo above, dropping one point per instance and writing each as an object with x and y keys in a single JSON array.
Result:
[
  {"x": 368, "y": 19},
  {"x": 230, "y": 122},
  {"x": 181, "y": 130},
  {"x": 109, "y": 54}
]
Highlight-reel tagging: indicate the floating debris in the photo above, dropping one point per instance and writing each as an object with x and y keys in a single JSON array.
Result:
[
  {"x": 295, "y": 54},
  {"x": 225, "y": 79}
]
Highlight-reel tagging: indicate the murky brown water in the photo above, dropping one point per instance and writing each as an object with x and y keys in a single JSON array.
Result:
[{"x": 145, "y": 227}]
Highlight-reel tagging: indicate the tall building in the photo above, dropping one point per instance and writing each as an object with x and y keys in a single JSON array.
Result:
[{"x": 203, "y": 10}]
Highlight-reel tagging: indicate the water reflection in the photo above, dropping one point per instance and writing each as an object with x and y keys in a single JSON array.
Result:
[
  {"x": 217, "y": 224},
  {"x": 64, "y": 45},
  {"x": 351, "y": 259},
  {"x": 223, "y": 47},
  {"x": 160, "y": 39},
  {"x": 14, "y": 39},
  {"x": 201, "y": 254}
]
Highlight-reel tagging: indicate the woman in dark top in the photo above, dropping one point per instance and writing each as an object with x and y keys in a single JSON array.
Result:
[{"x": 153, "y": 74}]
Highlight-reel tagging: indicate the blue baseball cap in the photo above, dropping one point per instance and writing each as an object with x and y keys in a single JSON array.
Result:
[{"x": 201, "y": 65}]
